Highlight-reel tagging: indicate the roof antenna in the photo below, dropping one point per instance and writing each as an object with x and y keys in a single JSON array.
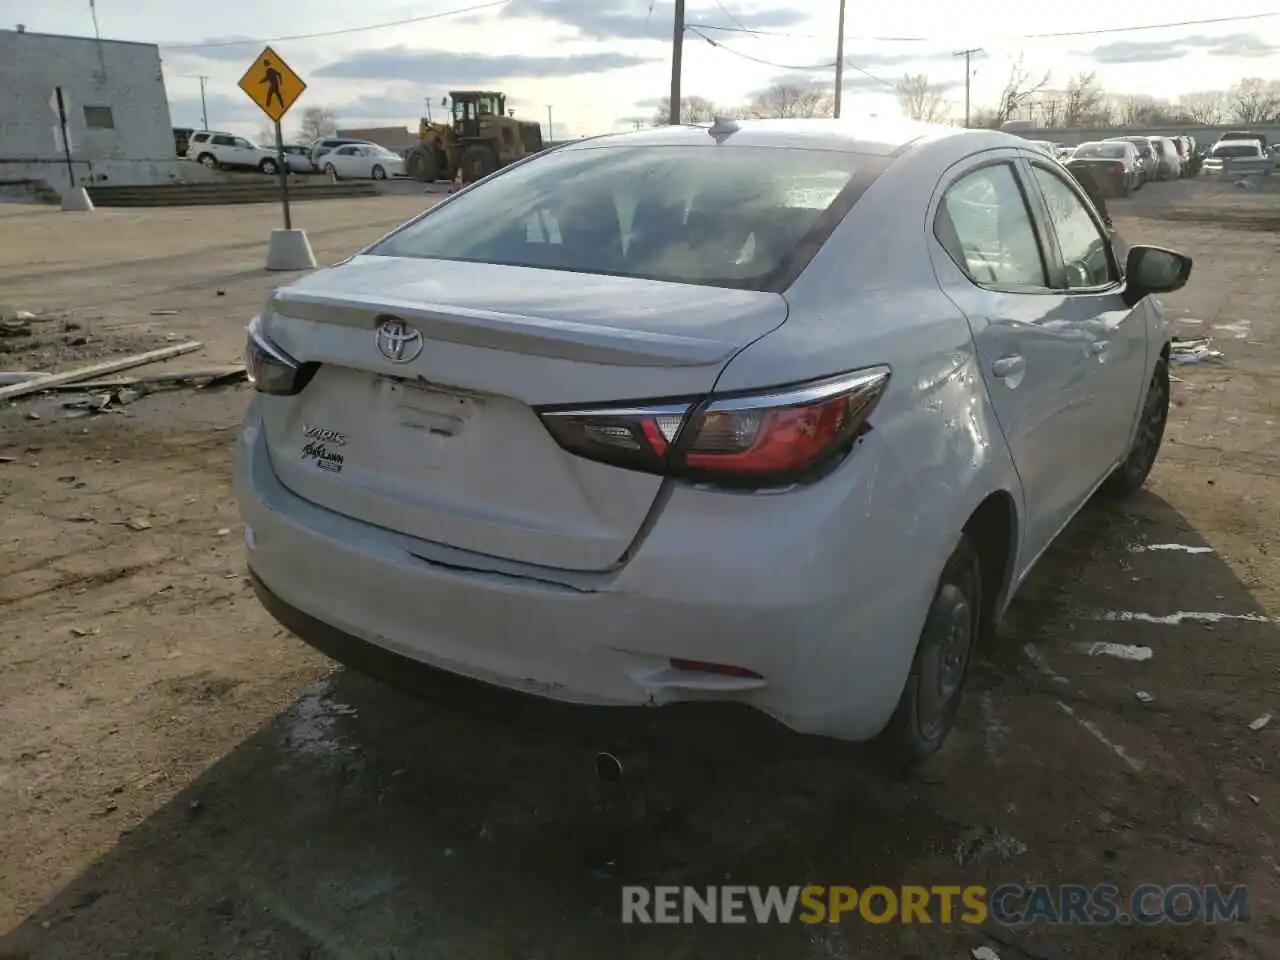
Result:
[{"x": 723, "y": 128}]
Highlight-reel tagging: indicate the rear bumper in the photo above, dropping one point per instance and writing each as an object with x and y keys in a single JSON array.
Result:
[{"x": 832, "y": 644}]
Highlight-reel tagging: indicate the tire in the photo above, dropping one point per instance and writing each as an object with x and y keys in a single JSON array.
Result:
[
  {"x": 268, "y": 167},
  {"x": 930, "y": 699},
  {"x": 478, "y": 161},
  {"x": 378, "y": 173},
  {"x": 331, "y": 172},
  {"x": 209, "y": 160},
  {"x": 1128, "y": 478},
  {"x": 424, "y": 165}
]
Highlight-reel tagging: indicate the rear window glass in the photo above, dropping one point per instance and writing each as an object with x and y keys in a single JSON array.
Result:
[
  {"x": 1227, "y": 150},
  {"x": 1113, "y": 151},
  {"x": 717, "y": 215}
]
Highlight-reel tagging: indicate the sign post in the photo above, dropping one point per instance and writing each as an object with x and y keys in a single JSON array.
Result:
[
  {"x": 283, "y": 169},
  {"x": 274, "y": 87},
  {"x": 75, "y": 198}
]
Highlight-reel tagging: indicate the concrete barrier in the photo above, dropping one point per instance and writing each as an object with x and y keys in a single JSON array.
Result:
[{"x": 204, "y": 194}]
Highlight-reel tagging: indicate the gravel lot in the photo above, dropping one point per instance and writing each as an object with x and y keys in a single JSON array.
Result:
[{"x": 179, "y": 778}]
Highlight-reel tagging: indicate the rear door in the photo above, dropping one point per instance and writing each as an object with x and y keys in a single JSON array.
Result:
[
  {"x": 345, "y": 161},
  {"x": 994, "y": 264}
]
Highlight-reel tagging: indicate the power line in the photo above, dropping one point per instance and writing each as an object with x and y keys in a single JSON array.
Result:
[
  {"x": 1017, "y": 36},
  {"x": 340, "y": 32},
  {"x": 732, "y": 19},
  {"x": 807, "y": 68}
]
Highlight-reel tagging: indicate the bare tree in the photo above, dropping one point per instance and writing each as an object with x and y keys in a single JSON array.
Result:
[
  {"x": 317, "y": 122},
  {"x": 1086, "y": 103},
  {"x": 984, "y": 118},
  {"x": 1205, "y": 106},
  {"x": 1254, "y": 100},
  {"x": 1052, "y": 112},
  {"x": 922, "y": 100},
  {"x": 267, "y": 135},
  {"x": 1139, "y": 109},
  {"x": 1018, "y": 91},
  {"x": 692, "y": 110},
  {"x": 791, "y": 100}
]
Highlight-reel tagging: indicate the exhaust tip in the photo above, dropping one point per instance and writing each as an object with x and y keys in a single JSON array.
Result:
[{"x": 608, "y": 768}]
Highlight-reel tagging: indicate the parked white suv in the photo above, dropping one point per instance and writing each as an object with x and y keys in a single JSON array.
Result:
[{"x": 218, "y": 149}]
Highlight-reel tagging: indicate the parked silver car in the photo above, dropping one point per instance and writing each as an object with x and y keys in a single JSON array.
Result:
[
  {"x": 770, "y": 412},
  {"x": 1168, "y": 163}
]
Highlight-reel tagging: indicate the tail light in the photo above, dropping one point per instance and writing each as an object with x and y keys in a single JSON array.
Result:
[
  {"x": 269, "y": 368},
  {"x": 783, "y": 436}
]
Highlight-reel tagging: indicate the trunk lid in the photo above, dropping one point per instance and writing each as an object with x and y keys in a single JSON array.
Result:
[{"x": 447, "y": 447}]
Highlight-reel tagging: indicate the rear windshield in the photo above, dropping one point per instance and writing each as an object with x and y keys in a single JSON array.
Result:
[
  {"x": 1226, "y": 150},
  {"x": 718, "y": 214},
  {"x": 1110, "y": 151},
  {"x": 1242, "y": 135}
]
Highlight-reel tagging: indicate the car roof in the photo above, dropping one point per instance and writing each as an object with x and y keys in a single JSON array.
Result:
[{"x": 876, "y": 136}]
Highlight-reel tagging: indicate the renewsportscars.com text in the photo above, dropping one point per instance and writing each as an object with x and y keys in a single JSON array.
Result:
[{"x": 1010, "y": 904}]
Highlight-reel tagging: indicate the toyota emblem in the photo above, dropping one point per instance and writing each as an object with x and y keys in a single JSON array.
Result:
[{"x": 397, "y": 341}]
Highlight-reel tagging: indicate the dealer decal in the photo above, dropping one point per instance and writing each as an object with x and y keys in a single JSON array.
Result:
[{"x": 323, "y": 457}]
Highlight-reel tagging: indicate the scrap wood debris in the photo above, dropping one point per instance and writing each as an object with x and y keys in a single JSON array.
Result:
[
  {"x": 1193, "y": 350},
  {"x": 109, "y": 395}
]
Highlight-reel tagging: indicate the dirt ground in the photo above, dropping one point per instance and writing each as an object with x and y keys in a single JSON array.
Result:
[{"x": 181, "y": 779}]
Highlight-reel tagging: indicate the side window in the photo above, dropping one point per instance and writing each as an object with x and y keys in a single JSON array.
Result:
[
  {"x": 223, "y": 141},
  {"x": 1082, "y": 243},
  {"x": 984, "y": 224},
  {"x": 242, "y": 143}
]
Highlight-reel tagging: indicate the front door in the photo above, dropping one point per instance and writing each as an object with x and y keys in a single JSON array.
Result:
[{"x": 1092, "y": 301}]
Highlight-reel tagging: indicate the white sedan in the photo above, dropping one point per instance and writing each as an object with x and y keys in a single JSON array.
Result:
[
  {"x": 648, "y": 419},
  {"x": 363, "y": 161}
]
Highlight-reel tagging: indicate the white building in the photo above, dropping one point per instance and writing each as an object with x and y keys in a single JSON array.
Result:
[{"x": 117, "y": 111}]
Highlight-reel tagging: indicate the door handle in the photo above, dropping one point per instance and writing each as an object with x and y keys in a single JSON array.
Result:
[{"x": 1008, "y": 366}]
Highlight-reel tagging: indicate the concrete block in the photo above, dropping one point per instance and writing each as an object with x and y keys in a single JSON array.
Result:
[{"x": 290, "y": 250}]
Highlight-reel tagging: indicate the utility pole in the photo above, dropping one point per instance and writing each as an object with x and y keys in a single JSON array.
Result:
[
  {"x": 835, "y": 104},
  {"x": 204, "y": 110},
  {"x": 677, "y": 62},
  {"x": 550, "y": 136},
  {"x": 968, "y": 76}
]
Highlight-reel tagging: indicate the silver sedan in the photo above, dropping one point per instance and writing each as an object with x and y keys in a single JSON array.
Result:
[{"x": 777, "y": 412}]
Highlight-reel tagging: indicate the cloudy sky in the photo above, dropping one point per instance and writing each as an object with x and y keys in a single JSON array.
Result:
[{"x": 602, "y": 64}]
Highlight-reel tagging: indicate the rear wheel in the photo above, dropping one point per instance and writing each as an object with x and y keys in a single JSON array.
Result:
[
  {"x": 931, "y": 698},
  {"x": 331, "y": 172},
  {"x": 209, "y": 160},
  {"x": 1129, "y": 477},
  {"x": 268, "y": 167}
]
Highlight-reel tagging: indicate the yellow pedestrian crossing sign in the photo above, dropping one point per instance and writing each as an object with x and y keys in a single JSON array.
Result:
[{"x": 272, "y": 84}]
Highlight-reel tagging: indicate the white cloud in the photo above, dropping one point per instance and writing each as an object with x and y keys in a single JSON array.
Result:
[{"x": 599, "y": 63}]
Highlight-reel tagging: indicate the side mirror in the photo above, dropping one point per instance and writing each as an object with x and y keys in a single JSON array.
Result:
[{"x": 1154, "y": 270}]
